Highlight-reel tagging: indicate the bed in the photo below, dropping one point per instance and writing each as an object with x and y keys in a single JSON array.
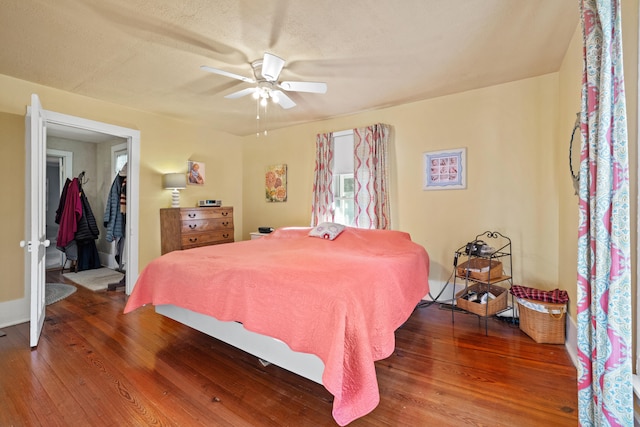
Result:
[{"x": 325, "y": 307}]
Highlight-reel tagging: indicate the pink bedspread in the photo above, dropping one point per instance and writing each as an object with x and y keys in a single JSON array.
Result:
[{"x": 341, "y": 300}]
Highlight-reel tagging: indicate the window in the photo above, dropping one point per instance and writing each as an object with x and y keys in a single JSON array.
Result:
[
  {"x": 343, "y": 183},
  {"x": 343, "y": 204},
  {"x": 351, "y": 177},
  {"x": 119, "y": 158}
]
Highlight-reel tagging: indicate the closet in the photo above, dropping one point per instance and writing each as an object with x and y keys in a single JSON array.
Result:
[{"x": 92, "y": 161}]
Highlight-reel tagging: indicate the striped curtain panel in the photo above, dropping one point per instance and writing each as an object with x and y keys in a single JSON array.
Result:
[
  {"x": 604, "y": 313},
  {"x": 371, "y": 177},
  {"x": 322, "y": 204}
]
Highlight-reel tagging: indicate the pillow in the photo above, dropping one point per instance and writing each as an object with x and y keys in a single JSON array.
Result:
[{"x": 327, "y": 230}]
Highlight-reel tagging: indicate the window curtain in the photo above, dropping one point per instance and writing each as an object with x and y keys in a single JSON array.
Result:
[
  {"x": 322, "y": 204},
  {"x": 605, "y": 390},
  {"x": 371, "y": 177}
]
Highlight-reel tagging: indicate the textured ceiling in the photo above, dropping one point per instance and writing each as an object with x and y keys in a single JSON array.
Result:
[{"x": 146, "y": 54}]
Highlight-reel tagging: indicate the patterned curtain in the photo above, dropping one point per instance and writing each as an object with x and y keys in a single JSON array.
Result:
[
  {"x": 371, "y": 177},
  {"x": 605, "y": 391},
  {"x": 322, "y": 204}
]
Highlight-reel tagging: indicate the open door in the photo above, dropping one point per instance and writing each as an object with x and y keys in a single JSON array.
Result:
[{"x": 35, "y": 242}]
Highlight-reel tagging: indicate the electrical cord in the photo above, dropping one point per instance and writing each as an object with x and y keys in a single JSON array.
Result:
[{"x": 424, "y": 304}]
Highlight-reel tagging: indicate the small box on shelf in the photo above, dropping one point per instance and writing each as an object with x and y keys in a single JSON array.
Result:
[{"x": 481, "y": 269}]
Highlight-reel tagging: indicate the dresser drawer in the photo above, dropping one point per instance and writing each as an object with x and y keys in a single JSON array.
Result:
[
  {"x": 193, "y": 240},
  {"x": 205, "y": 213},
  {"x": 199, "y": 225}
]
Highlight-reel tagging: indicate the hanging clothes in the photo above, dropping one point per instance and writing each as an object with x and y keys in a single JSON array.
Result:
[
  {"x": 78, "y": 227},
  {"x": 69, "y": 213},
  {"x": 87, "y": 225},
  {"x": 114, "y": 214},
  {"x": 115, "y": 220},
  {"x": 86, "y": 235}
]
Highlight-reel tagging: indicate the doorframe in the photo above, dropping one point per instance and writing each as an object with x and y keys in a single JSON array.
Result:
[
  {"x": 66, "y": 158},
  {"x": 132, "y": 136}
]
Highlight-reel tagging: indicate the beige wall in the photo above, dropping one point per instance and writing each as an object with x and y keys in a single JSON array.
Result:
[
  {"x": 165, "y": 146},
  {"x": 12, "y": 207},
  {"x": 510, "y": 134}
]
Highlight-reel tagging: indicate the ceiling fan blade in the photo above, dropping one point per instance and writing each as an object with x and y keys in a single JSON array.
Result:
[
  {"x": 283, "y": 100},
  {"x": 241, "y": 93},
  {"x": 226, "y": 74},
  {"x": 271, "y": 66},
  {"x": 312, "y": 87}
]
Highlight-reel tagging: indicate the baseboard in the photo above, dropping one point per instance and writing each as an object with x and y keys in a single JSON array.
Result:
[
  {"x": 108, "y": 260},
  {"x": 14, "y": 312},
  {"x": 442, "y": 291},
  {"x": 571, "y": 341}
]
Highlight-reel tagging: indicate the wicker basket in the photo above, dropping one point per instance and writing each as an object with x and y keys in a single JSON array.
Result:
[
  {"x": 480, "y": 269},
  {"x": 492, "y": 307},
  {"x": 549, "y": 327}
]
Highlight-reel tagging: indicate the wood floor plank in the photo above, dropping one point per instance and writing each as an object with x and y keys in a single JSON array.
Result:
[{"x": 96, "y": 366}]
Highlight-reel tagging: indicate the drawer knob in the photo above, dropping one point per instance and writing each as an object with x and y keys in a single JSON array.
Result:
[
  {"x": 192, "y": 226},
  {"x": 226, "y": 236},
  {"x": 191, "y": 215},
  {"x": 193, "y": 239},
  {"x": 225, "y": 223},
  {"x": 225, "y": 213}
]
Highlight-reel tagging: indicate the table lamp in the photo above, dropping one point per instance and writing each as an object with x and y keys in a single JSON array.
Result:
[{"x": 175, "y": 182}]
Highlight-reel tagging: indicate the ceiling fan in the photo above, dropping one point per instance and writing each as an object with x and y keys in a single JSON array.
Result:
[{"x": 266, "y": 72}]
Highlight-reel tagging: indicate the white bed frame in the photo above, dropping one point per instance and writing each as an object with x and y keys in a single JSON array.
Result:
[{"x": 265, "y": 348}]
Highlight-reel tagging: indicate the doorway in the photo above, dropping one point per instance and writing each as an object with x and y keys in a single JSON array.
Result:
[
  {"x": 102, "y": 138},
  {"x": 59, "y": 167}
]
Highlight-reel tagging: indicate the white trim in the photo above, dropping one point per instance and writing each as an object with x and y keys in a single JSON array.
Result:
[
  {"x": 67, "y": 157},
  {"x": 266, "y": 348},
  {"x": 437, "y": 286},
  {"x": 132, "y": 137},
  {"x": 636, "y": 344},
  {"x": 15, "y": 311},
  {"x": 343, "y": 133},
  {"x": 571, "y": 341}
]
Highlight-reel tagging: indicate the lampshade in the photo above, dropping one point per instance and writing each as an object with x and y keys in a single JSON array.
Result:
[{"x": 174, "y": 181}]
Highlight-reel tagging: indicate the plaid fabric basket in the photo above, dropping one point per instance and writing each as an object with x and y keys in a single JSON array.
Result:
[{"x": 555, "y": 296}]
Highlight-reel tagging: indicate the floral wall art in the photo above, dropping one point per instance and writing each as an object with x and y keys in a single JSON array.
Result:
[{"x": 276, "y": 183}]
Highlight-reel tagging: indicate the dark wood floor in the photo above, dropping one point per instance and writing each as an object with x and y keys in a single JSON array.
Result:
[{"x": 95, "y": 366}]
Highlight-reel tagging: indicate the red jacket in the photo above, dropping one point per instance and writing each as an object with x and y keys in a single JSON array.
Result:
[{"x": 71, "y": 213}]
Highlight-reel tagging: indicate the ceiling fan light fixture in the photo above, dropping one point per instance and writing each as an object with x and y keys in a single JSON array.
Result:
[{"x": 271, "y": 67}]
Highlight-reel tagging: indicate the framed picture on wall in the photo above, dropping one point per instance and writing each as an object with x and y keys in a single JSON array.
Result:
[
  {"x": 276, "y": 183},
  {"x": 195, "y": 173},
  {"x": 445, "y": 169}
]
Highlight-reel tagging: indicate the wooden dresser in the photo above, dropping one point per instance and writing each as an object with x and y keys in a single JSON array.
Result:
[{"x": 185, "y": 228}]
